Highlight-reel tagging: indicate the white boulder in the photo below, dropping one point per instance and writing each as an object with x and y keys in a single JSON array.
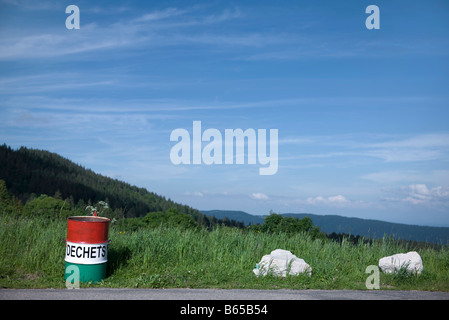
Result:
[
  {"x": 411, "y": 260},
  {"x": 280, "y": 263}
]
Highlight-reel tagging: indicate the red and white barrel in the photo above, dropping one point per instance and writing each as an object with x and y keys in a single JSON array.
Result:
[{"x": 87, "y": 247}]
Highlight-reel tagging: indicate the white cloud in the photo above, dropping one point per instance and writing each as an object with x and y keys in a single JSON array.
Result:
[
  {"x": 259, "y": 196},
  {"x": 159, "y": 15},
  {"x": 194, "y": 193},
  {"x": 421, "y": 194},
  {"x": 332, "y": 200},
  {"x": 338, "y": 199}
]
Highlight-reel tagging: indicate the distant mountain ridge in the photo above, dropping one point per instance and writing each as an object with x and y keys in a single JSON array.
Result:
[
  {"x": 234, "y": 215},
  {"x": 355, "y": 226}
]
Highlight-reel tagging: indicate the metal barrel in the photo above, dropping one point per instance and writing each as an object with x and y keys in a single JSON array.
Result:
[{"x": 87, "y": 247}]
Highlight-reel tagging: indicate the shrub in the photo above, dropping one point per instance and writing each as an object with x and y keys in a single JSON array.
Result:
[
  {"x": 47, "y": 207},
  {"x": 276, "y": 223}
]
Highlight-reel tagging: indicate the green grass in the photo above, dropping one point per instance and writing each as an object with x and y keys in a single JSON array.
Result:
[{"x": 32, "y": 256}]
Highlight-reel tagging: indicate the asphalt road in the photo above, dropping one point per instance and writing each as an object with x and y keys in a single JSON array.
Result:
[{"x": 214, "y": 294}]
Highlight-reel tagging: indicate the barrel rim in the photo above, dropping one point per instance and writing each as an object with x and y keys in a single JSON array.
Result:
[{"x": 88, "y": 219}]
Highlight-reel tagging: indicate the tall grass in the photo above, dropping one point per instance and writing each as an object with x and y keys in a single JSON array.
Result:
[
  {"x": 32, "y": 255},
  {"x": 30, "y": 251}
]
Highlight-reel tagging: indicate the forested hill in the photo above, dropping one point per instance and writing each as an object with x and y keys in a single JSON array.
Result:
[{"x": 30, "y": 172}]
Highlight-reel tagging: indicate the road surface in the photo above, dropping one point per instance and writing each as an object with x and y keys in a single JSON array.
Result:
[{"x": 214, "y": 294}]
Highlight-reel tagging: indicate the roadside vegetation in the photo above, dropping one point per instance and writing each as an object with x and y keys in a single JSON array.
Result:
[{"x": 171, "y": 250}]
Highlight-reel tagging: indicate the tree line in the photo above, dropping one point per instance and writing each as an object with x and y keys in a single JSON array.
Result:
[
  {"x": 44, "y": 183},
  {"x": 31, "y": 174},
  {"x": 40, "y": 183},
  {"x": 55, "y": 207}
]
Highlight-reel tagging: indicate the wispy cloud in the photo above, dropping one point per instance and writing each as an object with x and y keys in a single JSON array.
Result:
[
  {"x": 421, "y": 194},
  {"x": 259, "y": 196},
  {"x": 194, "y": 193},
  {"x": 185, "y": 25},
  {"x": 50, "y": 83},
  {"x": 332, "y": 200},
  {"x": 390, "y": 148},
  {"x": 15, "y": 46},
  {"x": 160, "y": 15},
  {"x": 394, "y": 177},
  {"x": 423, "y": 147},
  {"x": 34, "y": 5},
  {"x": 300, "y": 46},
  {"x": 149, "y": 29}
]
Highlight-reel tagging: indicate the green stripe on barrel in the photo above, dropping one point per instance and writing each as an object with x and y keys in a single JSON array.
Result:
[{"x": 86, "y": 272}]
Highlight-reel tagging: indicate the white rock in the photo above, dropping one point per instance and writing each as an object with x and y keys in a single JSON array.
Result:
[
  {"x": 280, "y": 263},
  {"x": 411, "y": 260}
]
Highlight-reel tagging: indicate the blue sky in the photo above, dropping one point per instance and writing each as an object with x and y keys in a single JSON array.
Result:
[{"x": 362, "y": 114}]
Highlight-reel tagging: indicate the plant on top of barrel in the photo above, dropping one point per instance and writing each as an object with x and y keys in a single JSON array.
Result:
[{"x": 103, "y": 207}]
